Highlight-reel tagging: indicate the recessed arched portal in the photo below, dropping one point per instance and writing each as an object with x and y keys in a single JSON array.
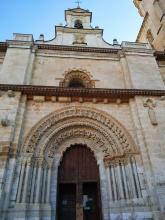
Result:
[
  {"x": 55, "y": 136},
  {"x": 78, "y": 185}
]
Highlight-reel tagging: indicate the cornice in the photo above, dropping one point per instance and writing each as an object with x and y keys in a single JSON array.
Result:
[
  {"x": 36, "y": 90},
  {"x": 4, "y": 46},
  {"x": 79, "y": 31},
  {"x": 77, "y": 48},
  {"x": 26, "y": 45}
]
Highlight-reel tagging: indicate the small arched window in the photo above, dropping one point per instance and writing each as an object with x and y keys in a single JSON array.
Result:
[
  {"x": 78, "y": 24},
  {"x": 76, "y": 83},
  {"x": 77, "y": 79}
]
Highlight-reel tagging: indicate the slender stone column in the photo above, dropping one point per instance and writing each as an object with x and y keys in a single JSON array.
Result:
[
  {"x": 119, "y": 182},
  {"x": 20, "y": 182},
  {"x": 131, "y": 179},
  {"x": 104, "y": 188},
  {"x": 44, "y": 184},
  {"x": 114, "y": 183},
  {"x": 52, "y": 188},
  {"x": 125, "y": 181},
  {"x": 24, "y": 192},
  {"x": 38, "y": 183},
  {"x": 48, "y": 185},
  {"x": 109, "y": 183},
  {"x": 136, "y": 178},
  {"x": 33, "y": 183}
]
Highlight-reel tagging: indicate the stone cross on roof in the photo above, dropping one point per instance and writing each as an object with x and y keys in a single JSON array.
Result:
[{"x": 78, "y": 3}]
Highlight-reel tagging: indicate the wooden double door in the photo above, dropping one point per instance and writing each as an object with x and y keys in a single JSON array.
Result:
[{"x": 78, "y": 186}]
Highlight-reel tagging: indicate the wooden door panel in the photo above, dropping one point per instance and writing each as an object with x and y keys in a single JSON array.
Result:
[
  {"x": 91, "y": 206},
  {"x": 67, "y": 202},
  {"x": 79, "y": 167}
]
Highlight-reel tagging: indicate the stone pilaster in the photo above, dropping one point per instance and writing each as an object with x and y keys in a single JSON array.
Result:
[{"x": 4, "y": 152}]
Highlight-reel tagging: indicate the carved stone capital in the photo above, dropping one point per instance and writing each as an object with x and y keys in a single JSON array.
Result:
[
  {"x": 40, "y": 162},
  {"x": 49, "y": 163}
]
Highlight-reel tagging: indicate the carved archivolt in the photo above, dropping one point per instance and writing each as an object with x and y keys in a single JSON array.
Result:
[
  {"x": 86, "y": 134},
  {"x": 79, "y": 123},
  {"x": 78, "y": 74}
]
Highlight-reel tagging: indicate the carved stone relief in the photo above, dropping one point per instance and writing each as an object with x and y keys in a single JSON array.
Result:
[
  {"x": 79, "y": 39},
  {"x": 149, "y": 103},
  {"x": 86, "y": 123}
]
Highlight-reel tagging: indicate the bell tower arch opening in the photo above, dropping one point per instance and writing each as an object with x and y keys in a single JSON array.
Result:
[{"x": 78, "y": 24}]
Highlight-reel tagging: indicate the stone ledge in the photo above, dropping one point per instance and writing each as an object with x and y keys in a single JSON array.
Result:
[{"x": 37, "y": 90}]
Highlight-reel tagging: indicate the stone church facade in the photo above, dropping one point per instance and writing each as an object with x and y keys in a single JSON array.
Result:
[{"x": 81, "y": 126}]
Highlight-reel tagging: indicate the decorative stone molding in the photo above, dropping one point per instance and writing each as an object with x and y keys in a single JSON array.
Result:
[
  {"x": 52, "y": 131},
  {"x": 78, "y": 48},
  {"x": 123, "y": 94},
  {"x": 86, "y": 134},
  {"x": 80, "y": 74},
  {"x": 59, "y": 129},
  {"x": 135, "y": 45},
  {"x": 120, "y": 159}
]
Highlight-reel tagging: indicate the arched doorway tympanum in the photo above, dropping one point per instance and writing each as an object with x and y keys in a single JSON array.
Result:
[{"x": 78, "y": 185}]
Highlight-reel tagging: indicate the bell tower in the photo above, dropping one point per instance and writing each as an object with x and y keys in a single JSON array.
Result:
[
  {"x": 152, "y": 30},
  {"x": 78, "y": 30},
  {"x": 78, "y": 18}
]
